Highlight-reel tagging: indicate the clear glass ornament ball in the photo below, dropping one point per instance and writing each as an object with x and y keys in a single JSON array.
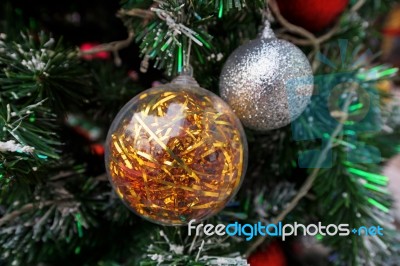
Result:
[{"x": 176, "y": 152}]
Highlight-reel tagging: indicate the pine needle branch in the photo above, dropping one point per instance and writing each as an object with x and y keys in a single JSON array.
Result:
[
  {"x": 307, "y": 185},
  {"x": 27, "y": 207}
]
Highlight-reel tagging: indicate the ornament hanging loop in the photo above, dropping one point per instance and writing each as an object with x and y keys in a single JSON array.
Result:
[
  {"x": 187, "y": 71},
  {"x": 186, "y": 77},
  {"x": 267, "y": 32},
  {"x": 187, "y": 68}
]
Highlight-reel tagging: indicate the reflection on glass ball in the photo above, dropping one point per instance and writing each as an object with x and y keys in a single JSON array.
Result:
[{"x": 175, "y": 153}]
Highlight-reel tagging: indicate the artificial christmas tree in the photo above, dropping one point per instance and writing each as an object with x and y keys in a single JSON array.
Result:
[{"x": 184, "y": 154}]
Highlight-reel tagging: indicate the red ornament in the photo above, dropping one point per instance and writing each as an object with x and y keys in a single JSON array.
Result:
[
  {"x": 272, "y": 256},
  {"x": 391, "y": 37},
  {"x": 97, "y": 149},
  {"x": 313, "y": 15},
  {"x": 89, "y": 45},
  {"x": 392, "y": 24}
]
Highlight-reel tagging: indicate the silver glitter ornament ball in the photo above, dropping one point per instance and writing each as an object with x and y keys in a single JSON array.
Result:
[{"x": 268, "y": 82}]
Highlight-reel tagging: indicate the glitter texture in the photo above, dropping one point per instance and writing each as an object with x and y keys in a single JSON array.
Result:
[
  {"x": 268, "y": 82},
  {"x": 175, "y": 153}
]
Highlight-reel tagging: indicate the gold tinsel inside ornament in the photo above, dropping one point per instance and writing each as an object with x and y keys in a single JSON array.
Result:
[{"x": 175, "y": 153}]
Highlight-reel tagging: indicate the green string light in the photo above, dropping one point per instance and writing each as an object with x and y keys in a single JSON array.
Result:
[
  {"x": 199, "y": 55},
  {"x": 32, "y": 118},
  {"x": 375, "y": 178},
  {"x": 347, "y": 163},
  {"x": 165, "y": 46},
  {"x": 201, "y": 39},
  {"x": 79, "y": 224},
  {"x": 350, "y": 132},
  {"x": 375, "y": 188},
  {"x": 77, "y": 250},
  {"x": 221, "y": 9},
  {"x": 356, "y": 107},
  {"x": 378, "y": 205},
  {"x": 180, "y": 58},
  {"x": 388, "y": 72}
]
